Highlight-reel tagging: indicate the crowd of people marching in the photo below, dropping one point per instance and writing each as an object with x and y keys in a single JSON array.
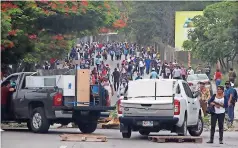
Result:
[{"x": 134, "y": 62}]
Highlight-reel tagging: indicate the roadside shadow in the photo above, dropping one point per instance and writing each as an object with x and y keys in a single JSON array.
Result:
[{"x": 51, "y": 131}]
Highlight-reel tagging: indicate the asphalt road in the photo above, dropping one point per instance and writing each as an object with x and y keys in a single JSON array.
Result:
[{"x": 21, "y": 138}]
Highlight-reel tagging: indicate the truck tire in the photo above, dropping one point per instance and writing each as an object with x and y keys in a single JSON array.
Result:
[
  {"x": 88, "y": 127},
  {"x": 144, "y": 132},
  {"x": 127, "y": 134},
  {"x": 183, "y": 130},
  {"x": 38, "y": 121},
  {"x": 199, "y": 129}
]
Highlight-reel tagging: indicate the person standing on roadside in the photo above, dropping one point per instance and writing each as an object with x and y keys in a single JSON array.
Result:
[
  {"x": 208, "y": 71},
  {"x": 218, "y": 77},
  {"x": 229, "y": 93},
  {"x": 219, "y": 102},
  {"x": 205, "y": 95},
  {"x": 5, "y": 92},
  {"x": 232, "y": 75}
]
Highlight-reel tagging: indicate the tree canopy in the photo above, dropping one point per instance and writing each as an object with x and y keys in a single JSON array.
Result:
[
  {"x": 33, "y": 31},
  {"x": 153, "y": 21},
  {"x": 215, "y": 36}
]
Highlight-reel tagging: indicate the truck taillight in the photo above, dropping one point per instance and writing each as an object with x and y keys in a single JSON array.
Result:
[
  {"x": 119, "y": 108},
  {"x": 176, "y": 107},
  {"x": 58, "y": 99}
]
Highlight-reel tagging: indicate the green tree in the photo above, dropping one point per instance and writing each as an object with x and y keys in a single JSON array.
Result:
[
  {"x": 33, "y": 31},
  {"x": 215, "y": 35},
  {"x": 152, "y": 21}
]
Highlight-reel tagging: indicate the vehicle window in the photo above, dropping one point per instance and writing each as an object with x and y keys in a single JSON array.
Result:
[
  {"x": 178, "y": 90},
  {"x": 187, "y": 90},
  {"x": 12, "y": 79}
]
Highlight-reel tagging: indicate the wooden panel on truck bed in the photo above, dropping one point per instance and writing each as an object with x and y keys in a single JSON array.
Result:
[{"x": 83, "y": 86}]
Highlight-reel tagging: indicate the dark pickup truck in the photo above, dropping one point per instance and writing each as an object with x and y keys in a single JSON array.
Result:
[{"x": 42, "y": 107}]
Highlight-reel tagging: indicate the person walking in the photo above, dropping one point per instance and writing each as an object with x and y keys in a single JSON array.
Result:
[
  {"x": 141, "y": 67},
  {"x": 183, "y": 72},
  {"x": 147, "y": 65},
  {"x": 153, "y": 74},
  {"x": 218, "y": 77},
  {"x": 138, "y": 76},
  {"x": 116, "y": 79},
  {"x": 177, "y": 73},
  {"x": 218, "y": 103},
  {"x": 112, "y": 54},
  {"x": 190, "y": 71}
]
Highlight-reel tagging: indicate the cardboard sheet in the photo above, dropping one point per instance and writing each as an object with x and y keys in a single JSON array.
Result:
[{"x": 83, "y": 86}]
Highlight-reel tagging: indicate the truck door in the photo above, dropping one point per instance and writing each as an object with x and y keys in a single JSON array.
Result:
[
  {"x": 21, "y": 102},
  {"x": 14, "y": 79},
  {"x": 192, "y": 109}
]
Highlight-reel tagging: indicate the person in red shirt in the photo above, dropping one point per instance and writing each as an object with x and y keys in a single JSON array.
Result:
[
  {"x": 5, "y": 92},
  {"x": 218, "y": 77}
]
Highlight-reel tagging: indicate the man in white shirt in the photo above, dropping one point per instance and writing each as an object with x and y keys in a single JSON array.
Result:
[
  {"x": 177, "y": 73},
  {"x": 190, "y": 71},
  {"x": 141, "y": 65}
]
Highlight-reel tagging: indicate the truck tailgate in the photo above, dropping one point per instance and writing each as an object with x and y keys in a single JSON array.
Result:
[{"x": 162, "y": 106}]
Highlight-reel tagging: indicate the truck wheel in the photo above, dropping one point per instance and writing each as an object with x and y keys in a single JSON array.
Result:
[
  {"x": 199, "y": 129},
  {"x": 144, "y": 132},
  {"x": 38, "y": 121},
  {"x": 127, "y": 134},
  {"x": 183, "y": 129},
  {"x": 87, "y": 128}
]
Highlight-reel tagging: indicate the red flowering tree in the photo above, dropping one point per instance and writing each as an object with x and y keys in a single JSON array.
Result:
[{"x": 33, "y": 29}]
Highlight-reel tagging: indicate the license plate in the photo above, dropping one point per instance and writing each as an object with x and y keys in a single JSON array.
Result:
[{"x": 147, "y": 123}]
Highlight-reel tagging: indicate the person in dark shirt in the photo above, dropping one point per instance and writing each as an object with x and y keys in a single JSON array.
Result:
[
  {"x": 115, "y": 78},
  {"x": 5, "y": 91}
]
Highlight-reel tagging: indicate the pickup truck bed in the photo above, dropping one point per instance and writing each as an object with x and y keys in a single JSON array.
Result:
[{"x": 41, "y": 107}]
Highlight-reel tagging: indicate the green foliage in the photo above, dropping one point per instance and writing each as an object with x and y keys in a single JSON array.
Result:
[
  {"x": 33, "y": 31},
  {"x": 215, "y": 35},
  {"x": 153, "y": 21}
]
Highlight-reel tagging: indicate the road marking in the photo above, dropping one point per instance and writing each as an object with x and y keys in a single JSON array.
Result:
[{"x": 63, "y": 146}]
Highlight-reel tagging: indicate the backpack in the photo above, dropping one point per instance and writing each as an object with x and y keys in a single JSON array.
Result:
[{"x": 235, "y": 95}]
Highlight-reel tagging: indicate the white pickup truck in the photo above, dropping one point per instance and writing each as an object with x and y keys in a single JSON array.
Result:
[{"x": 155, "y": 104}]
